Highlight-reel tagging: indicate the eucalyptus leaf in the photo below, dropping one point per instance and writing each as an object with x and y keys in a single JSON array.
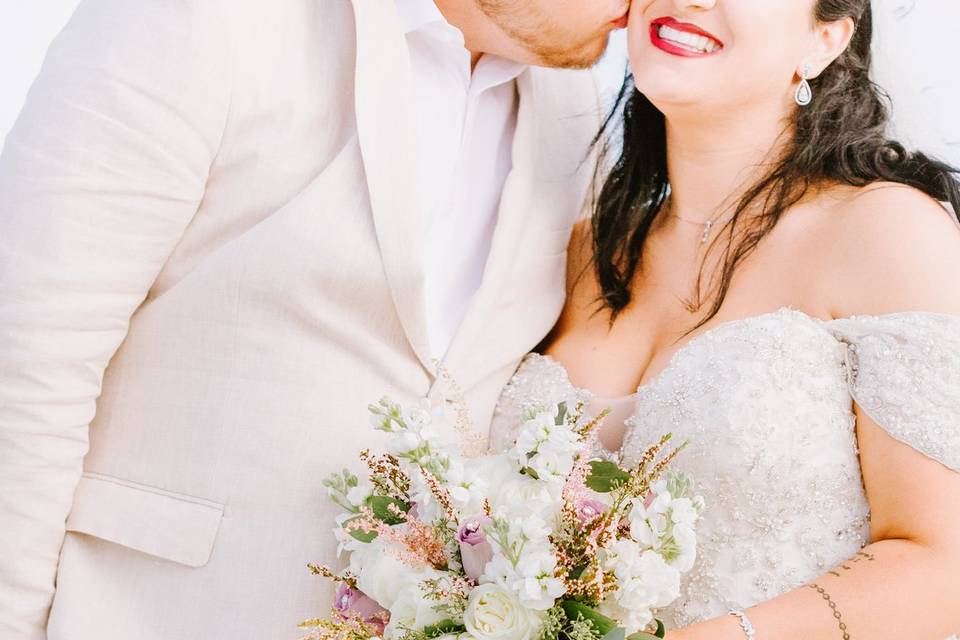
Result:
[
  {"x": 616, "y": 634},
  {"x": 605, "y": 476}
]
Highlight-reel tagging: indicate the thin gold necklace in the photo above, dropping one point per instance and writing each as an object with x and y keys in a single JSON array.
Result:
[{"x": 707, "y": 226}]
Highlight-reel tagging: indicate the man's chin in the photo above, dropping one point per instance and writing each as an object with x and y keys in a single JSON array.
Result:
[{"x": 583, "y": 57}]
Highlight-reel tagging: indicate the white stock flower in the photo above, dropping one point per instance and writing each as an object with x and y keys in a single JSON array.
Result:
[
  {"x": 419, "y": 417},
  {"x": 428, "y": 509},
  {"x": 494, "y": 613},
  {"x": 411, "y": 610},
  {"x": 536, "y": 585},
  {"x": 546, "y": 447},
  {"x": 533, "y": 432},
  {"x": 531, "y": 575},
  {"x": 648, "y": 525},
  {"x": 631, "y": 621},
  {"x": 683, "y": 512},
  {"x": 404, "y": 442},
  {"x": 645, "y": 581},
  {"x": 359, "y": 494}
]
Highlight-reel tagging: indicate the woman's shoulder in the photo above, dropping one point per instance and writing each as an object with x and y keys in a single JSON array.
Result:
[{"x": 889, "y": 247}]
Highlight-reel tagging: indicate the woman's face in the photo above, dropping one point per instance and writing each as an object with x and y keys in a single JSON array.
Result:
[{"x": 719, "y": 54}]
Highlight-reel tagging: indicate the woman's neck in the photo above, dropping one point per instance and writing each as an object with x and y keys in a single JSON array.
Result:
[{"x": 712, "y": 161}]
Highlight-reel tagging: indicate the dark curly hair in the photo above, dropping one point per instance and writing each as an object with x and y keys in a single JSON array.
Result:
[{"x": 841, "y": 138}]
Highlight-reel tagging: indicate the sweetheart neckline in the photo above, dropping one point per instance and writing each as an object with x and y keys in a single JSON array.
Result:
[{"x": 673, "y": 361}]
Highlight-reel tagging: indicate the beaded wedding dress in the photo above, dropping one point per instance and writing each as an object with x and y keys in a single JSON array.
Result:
[{"x": 766, "y": 404}]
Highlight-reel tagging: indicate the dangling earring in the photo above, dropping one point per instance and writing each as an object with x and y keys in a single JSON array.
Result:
[{"x": 804, "y": 95}]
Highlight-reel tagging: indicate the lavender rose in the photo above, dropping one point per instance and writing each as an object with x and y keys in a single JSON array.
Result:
[
  {"x": 353, "y": 602},
  {"x": 588, "y": 510},
  {"x": 475, "y": 550}
]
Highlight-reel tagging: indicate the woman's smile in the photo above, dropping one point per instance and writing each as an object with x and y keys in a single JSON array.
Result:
[{"x": 683, "y": 39}]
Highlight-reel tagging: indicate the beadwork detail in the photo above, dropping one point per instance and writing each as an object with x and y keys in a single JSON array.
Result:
[{"x": 767, "y": 406}]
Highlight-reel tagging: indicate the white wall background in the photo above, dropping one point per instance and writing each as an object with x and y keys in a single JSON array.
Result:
[{"x": 917, "y": 62}]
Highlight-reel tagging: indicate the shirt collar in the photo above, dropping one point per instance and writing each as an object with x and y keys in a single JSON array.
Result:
[{"x": 416, "y": 14}]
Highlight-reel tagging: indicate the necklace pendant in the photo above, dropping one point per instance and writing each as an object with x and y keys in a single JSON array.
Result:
[{"x": 707, "y": 227}]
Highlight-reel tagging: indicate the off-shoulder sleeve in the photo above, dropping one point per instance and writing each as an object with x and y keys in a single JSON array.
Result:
[{"x": 904, "y": 372}]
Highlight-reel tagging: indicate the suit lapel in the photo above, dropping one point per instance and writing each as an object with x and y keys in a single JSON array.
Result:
[{"x": 387, "y": 141}]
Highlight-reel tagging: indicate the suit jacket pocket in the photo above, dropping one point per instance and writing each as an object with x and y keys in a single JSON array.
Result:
[{"x": 160, "y": 523}]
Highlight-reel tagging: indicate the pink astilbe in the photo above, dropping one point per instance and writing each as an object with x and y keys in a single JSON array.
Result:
[{"x": 575, "y": 488}]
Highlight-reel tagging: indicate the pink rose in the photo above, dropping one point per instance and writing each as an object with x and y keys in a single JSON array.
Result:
[
  {"x": 475, "y": 550},
  {"x": 353, "y": 602}
]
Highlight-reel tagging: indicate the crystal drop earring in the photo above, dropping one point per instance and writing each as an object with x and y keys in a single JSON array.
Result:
[{"x": 804, "y": 95}]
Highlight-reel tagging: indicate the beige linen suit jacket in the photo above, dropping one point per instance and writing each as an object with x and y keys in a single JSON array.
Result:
[{"x": 210, "y": 262}]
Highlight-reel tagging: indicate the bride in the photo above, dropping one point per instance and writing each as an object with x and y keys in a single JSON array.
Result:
[{"x": 768, "y": 277}]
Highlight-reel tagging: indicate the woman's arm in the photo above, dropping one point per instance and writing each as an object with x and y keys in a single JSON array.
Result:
[{"x": 903, "y": 585}]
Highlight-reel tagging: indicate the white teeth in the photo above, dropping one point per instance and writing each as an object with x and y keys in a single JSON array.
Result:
[{"x": 700, "y": 44}]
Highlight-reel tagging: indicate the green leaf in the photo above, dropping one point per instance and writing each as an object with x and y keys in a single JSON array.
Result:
[
  {"x": 380, "y": 505},
  {"x": 601, "y": 623},
  {"x": 616, "y": 634},
  {"x": 562, "y": 413},
  {"x": 358, "y": 534},
  {"x": 660, "y": 633},
  {"x": 605, "y": 476},
  {"x": 444, "y": 627}
]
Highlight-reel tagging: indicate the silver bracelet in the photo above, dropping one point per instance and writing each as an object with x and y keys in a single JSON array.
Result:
[{"x": 745, "y": 623}]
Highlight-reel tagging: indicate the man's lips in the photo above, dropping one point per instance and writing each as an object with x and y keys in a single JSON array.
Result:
[
  {"x": 622, "y": 21},
  {"x": 683, "y": 39}
]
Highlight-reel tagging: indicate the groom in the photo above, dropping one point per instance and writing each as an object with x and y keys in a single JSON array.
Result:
[{"x": 225, "y": 227}]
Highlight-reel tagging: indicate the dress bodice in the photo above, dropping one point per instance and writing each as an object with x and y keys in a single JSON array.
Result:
[{"x": 766, "y": 405}]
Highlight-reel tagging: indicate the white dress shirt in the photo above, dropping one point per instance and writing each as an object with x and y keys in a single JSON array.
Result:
[{"x": 465, "y": 124}]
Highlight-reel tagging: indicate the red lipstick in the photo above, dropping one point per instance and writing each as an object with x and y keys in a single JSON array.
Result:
[{"x": 689, "y": 39}]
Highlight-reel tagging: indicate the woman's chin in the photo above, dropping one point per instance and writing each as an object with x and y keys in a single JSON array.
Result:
[{"x": 670, "y": 97}]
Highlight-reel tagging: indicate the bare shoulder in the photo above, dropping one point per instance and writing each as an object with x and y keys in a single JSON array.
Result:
[{"x": 888, "y": 248}]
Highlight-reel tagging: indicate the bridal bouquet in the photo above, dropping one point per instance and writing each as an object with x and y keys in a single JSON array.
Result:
[{"x": 542, "y": 542}]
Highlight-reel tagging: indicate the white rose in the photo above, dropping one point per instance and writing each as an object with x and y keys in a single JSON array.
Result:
[
  {"x": 523, "y": 496},
  {"x": 493, "y": 613},
  {"x": 382, "y": 576}
]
